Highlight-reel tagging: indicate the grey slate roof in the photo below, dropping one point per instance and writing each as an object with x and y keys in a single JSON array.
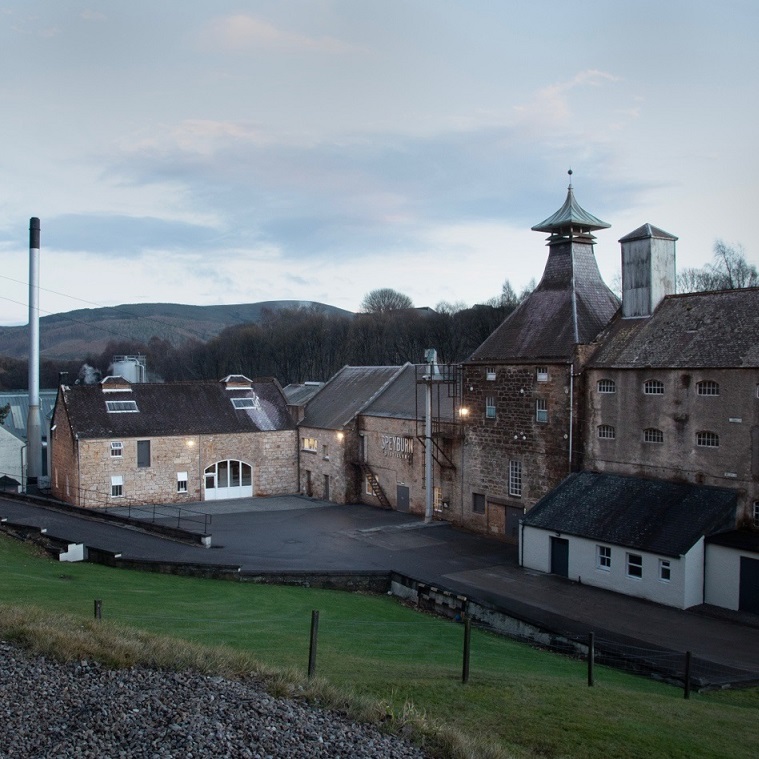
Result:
[
  {"x": 661, "y": 517},
  {"x": 709, "y": 330},
  {"x": 178, "y": 408},
  {"x": 346, "y": 394},
  {"x": 18, "y": 401},
  {"x": 404, "y": 398}
]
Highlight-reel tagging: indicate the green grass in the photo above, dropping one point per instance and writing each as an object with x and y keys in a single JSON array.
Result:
[{"x": 393, "y": 661}]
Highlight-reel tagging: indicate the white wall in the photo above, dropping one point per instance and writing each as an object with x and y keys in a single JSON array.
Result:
[
  {"x": 723, "y": 576},
  {"x": 686, "y": 573},
  {"x": 10, "y": 455}
]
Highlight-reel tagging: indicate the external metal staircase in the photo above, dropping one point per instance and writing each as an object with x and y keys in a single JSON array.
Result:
[{"x": 371, "y": 478}]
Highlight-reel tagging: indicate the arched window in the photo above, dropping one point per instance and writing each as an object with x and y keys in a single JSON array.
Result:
[
  {"x": 606, "y": 432},
  {"x": 652, "y": 435},
  {"x": 707, "y": 387},
  {"x": 607, "y": 386},
  {"x": 707, "y": 439},
  {"x": 653, "y": 387}
]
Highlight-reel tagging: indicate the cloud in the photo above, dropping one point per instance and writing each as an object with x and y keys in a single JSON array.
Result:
[{"x": 245, "y": 33}]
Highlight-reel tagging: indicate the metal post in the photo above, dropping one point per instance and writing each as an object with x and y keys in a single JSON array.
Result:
[
  {"x": 686, "y": 688},
  {"x": 312, "y": 646},
  {"x": 33, "y": 424},
  {"x": 467, "y": 649},
  {"x": 591, "y": 658},
  {"x": 98, "y": 609}
]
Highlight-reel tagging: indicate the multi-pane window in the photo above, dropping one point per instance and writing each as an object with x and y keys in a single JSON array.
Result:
[
  {"x": 606, "y": 432},
  {"x": 181, "y": 482},
  {"x": 251, "y": 402},
  {"x": 603, "y": 557},
  {"x": 437, "y": 498},
  {"x": 120, "y": 407},
  {"x": 117, "y": 449},
  {"x": 490, "y": 407},
  {"x": 541, "y": 410},
  {"x": 652, "y": 435},
  {"x": 707, "y": 439},
  {"x": 478, "y": 503},
  {"x": 117, "y": 486},
  {"x": 653, "y": 387},
  {"x": 665, "y": 570},
  {"x": 368, "y": 485},
  {"x": 756, "y": 513},
  {"x": 542, "y": 374},
  {"x": 490, "y": 373},
  {"x": 515, "y": 478},
  {"x": 143, "y": 453},
  {"x": 707, "y": 387},
  {"x": 607, "y": 386},
  {"x": 634, "y": 565},
  {"x": 310, "y": 444}
]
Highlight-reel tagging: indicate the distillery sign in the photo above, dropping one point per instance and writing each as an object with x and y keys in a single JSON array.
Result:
[{"x": 397, "y": 447}]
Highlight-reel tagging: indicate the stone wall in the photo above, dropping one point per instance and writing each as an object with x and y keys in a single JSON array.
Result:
[
  {"x": 326, "y": 471},
  {"x": 64, "y": 475}
]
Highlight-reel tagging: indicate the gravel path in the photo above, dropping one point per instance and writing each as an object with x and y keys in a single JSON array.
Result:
[{"x": 49, "y": 709}]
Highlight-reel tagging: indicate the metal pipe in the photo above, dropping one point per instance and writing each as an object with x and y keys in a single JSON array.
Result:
[{"x": 33, "y": 426}]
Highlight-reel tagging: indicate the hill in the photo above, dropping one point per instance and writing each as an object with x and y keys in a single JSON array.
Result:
[{"x": 76, "y": 334}]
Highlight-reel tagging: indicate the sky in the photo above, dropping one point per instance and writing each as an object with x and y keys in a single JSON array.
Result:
[{"x": 233, "y": 152}]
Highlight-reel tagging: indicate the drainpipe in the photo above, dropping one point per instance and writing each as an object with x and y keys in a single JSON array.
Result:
[{"x": 571, "y": 410}]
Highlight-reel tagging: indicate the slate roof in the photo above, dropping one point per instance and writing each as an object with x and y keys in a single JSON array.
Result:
[
  {"x": 405, "y": 398},
  {"x": 177, "y": 408},
  {"x": 346, "y": 394},
  {"x": 666, "y": 518},
  {"x": 694, "y": 330}
]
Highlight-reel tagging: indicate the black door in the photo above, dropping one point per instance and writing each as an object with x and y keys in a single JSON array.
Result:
[
  {"x": 748, "y": 597},
  {"x": 402, "y": 498},
  {"x": 560, "y": 556},
  {"x": 513, "y": 515}
]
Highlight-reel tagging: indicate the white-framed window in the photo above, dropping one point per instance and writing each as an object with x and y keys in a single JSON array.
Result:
[
  {"x": 607, "y": 386},
  {"x": 143, "y": 453},
  {"x": 437, "y": 498},
  {"x": 707, "y": 387},
  {"x": 117, "y": 486},
  {"x": 490, "y": 407},
  {"x": 515, "y": 478},
  {"x": 635, "y": 566},
  {"x": 478, "y": 503},
  {"x": 181, "y": 482},
  {"x": 653, "y": 387},
  {"x": 310, "y": 444},
  {"x": 665, "y": 570},
  {"x": 756, "y": 514},
  {"x": 652, "y": 435},
  {"x": 251, "y": 402},
  {"x": 325, "y": 451},
  {"x": 706, "y": 439},
  {"x": 121, "y": 407},
  {"x": 606, "y": 432},
  {"x": 603, "y": 558},
  {"x": 117, "y": 449},
  {"x": 541, "y": 410},
  {"x": 542, "y": 373},
  {"x": 368, "y": 488},
  {"x": 490, "y": 373}
]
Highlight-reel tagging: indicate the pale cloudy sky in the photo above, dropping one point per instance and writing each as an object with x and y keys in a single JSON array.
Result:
[{"x": 223, "y": 152}]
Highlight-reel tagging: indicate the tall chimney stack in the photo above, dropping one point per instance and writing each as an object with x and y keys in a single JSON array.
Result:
[{"x": 33, "y": 425}]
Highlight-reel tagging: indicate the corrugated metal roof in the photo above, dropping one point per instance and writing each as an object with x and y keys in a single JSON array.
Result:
[
  {"x": 661, "y": 517},
  {"x": 346, "y": 394},
  {"x": 181, "y": 408},
  {"x": 298, "y": 394},
  {"x": 694, "y": 330},
  {"x": 16, "y": 420},
  {"x": 571, "y": 216},
  {"x": 405, "y": 398}
]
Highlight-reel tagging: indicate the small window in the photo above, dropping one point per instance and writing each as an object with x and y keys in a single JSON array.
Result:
[
  {"x": 756, "y": 514},
  {"x": 368, "y": 487},
  {"x": 437, "y": 498},
  {"x": 653, "y": 387},
  {"x": 121, "y": 407},
  {"x": 652, "y": 435},
  {"x": 246, "y": 403},
  {"x": 515, "y": 479},
  {"x": 117, "y": 450},
  {"x": 707, "y": 439},
  {"x": 603, "y": 558},
  {"x": 325, "y": 452},
  {"x": 490, "y": 407},
  {"x": 707, "y": 387},
  {"x": 607, "y": 386},
  {"x": 310, "y": 444},
  {"x": 665, "y": 570},
  {"x": 542, "y": 373},
  {"x": 181, "y": 482},
  {"x": 117, "y": 486},
  {"x": 143, "y": 453},
  {"x": 635, "y": 565},
  {"x": 606, "y": 432},
  {"x": 478, "y": 503},
  {"x": 490, "y": 374},
  {"x": 541, "y": 410}
]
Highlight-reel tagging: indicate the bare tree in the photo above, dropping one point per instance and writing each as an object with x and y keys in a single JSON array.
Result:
[
  {"x": 730, "y": 271},
  {"x": 383, "y": 300}
]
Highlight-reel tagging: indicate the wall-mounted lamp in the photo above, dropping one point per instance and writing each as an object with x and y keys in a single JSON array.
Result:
[
  {"x": 190, "y": 443},
  {"x": 463, "y": 412},
  {"x": 340, "y": 436}
]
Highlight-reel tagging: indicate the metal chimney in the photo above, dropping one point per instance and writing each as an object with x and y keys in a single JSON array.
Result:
[{"x": 33, "y": 425}]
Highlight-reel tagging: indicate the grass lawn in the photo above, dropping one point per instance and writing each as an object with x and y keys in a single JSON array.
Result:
[{"x": 530, "y": 703}]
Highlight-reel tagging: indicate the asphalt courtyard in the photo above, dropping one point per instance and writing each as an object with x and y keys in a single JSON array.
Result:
[{"x": 294, "y": 533}]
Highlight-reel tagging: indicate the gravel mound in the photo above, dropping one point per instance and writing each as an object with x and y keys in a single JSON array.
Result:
[{"x": 82, "y": 709}]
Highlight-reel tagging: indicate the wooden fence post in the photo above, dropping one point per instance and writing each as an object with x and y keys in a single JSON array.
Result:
[
  {"x": 591, "y": 659},
  {"x": 467, "y": 648},
  {"x": 98, "y": 609},
  {"x": 312, "y": 646}
]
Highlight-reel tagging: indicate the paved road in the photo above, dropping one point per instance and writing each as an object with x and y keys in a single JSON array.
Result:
[{"x": 296, "y": 533}]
